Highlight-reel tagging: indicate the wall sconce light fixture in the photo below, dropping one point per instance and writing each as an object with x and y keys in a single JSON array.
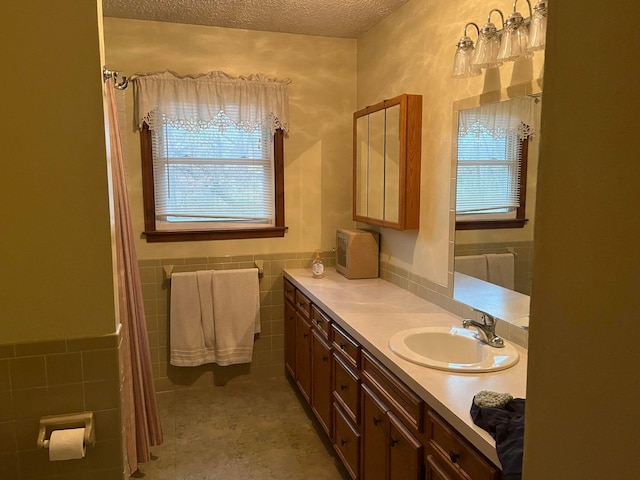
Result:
[
  {"x": 516, "y": 40},
  {"x": 462, "y": 66}
]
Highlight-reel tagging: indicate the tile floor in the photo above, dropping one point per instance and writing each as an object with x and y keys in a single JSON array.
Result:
[{"x": 247, "y": 429}]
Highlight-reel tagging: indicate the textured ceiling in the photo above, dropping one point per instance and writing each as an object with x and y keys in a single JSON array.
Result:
[{"x": 331, "y": 18}]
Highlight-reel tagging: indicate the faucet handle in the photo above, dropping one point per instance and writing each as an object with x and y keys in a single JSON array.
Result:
[{"x": 487, "y": 318}]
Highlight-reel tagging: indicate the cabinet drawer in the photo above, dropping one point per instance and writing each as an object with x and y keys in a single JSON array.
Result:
[
  {"x": 289, "y": 291},
  {"x": 451, "y": 450},
  {"x": 320, "y": 321},
  {"x": 346, "y": 345},
  {"x": 400, "y": 398},
  {"x": 347, "y": 442},
  {"x": 346, "y": 388},
  {"x": 303, "y": 304}
]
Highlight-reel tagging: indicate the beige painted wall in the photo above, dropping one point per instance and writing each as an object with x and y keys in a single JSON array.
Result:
[
  {"x": 412, "y": 52},
  {"x": 583, "y": 383},
  {"x": 55, "y": 252},
  {"x": 317, "y": 151}
]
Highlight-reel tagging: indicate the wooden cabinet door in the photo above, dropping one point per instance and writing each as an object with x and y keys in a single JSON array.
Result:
[
  {"x": 405, "y": 452},
  {"x": 435, "y": 471},
  {"x": 375, "y": 436},
  {"x": 321, "y": 381},
  {"x": 303, "y": 356},
  {"x": 290, "y": 338},
  {"x": 347, "y": 442}
]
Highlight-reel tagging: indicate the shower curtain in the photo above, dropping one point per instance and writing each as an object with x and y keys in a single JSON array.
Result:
[{"x": 139, "y": 408}]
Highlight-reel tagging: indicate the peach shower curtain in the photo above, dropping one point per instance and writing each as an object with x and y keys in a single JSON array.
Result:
[{"x": 139, "y": 409}]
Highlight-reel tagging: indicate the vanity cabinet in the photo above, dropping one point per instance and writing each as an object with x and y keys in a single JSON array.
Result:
[
  {"x": 380, "y": 428},
  {"x": 386, "y": 163}
]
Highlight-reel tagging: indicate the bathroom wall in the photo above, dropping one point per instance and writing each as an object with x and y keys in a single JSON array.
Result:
[
  {"x": 317, "y": 169},
  {"x": 317, "y": 150},
  {"x": 58, "y": 346},
  {"x": 412, "y": 52}
]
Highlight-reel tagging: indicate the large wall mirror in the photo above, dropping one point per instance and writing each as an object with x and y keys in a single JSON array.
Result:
[{"x": 496, "y": 161}]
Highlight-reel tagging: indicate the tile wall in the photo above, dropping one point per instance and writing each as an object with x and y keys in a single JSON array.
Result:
[
  {"x": 55, "y": 378},
  {"x": 268, "y": 355}
]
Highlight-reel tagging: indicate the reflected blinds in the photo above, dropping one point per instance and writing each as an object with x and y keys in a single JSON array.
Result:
[{"x": 490, "y": 143}]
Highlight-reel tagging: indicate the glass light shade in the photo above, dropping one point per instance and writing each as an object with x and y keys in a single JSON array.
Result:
[
  {"x": 515, "y": 40},
  {"x": 462, "y": 61},
  {"x": 538, "y": 26},
  {"x": 486, "y": 52}
]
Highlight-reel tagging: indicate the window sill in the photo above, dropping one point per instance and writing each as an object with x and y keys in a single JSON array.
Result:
[
  {"x": 491, "y": 224},
  {"x": 155, "y": 236}
]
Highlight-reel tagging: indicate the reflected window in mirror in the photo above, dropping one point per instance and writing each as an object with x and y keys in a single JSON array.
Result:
[{"x": 493, "y": 143}]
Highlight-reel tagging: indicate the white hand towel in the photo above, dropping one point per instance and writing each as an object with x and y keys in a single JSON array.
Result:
[
  {"x": 186, "y": 336},
  {"x": 472, "y": 265},
  {"x": 205, "y": 295},
  {"x": 236, "y": 311},
  {"x": 501, "y": 269}
]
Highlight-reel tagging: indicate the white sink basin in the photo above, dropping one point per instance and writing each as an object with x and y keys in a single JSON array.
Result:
[{"x": 451, "y": 348}]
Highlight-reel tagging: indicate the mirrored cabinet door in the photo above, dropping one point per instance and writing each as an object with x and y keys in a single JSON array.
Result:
[
  {"x": 360, "y": 165},
  {"x": 386, "y": 163},
  {"x": 376, "y": 169}
]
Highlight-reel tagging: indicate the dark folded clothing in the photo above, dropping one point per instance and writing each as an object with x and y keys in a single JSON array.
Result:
[{"x": 506, "y": 426}]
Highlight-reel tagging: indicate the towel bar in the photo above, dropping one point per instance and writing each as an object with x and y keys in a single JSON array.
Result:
[{"x": 259, "y": 264}]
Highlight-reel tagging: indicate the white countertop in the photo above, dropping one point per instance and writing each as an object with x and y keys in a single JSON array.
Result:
[{"x": 372, "y": 310}]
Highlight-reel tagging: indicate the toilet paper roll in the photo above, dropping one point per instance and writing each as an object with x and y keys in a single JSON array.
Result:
[{"x": 67, "y": 444}]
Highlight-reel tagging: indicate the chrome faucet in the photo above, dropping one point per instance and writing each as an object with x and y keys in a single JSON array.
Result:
[{"x": 486, "y": 329}]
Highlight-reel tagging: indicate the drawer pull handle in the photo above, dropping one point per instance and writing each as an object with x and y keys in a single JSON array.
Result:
[
  {"x": 343, "y": 346},
  {"x": 394, "y": 442},
  {"x": 454, "y": 456},
  {"x": 343, "y": 388},
  {"x": 377, "y": 421},
  {"x": 343, "y": 442},
  {"x": 325, "y": 358},
  {"x": 305, "y": 335}
]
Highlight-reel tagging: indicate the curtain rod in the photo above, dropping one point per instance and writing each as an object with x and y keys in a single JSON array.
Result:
[{"x": 107, "y": 74}]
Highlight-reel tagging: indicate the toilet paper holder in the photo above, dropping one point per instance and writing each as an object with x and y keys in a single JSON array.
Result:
[{"x": 62, "y": 422}]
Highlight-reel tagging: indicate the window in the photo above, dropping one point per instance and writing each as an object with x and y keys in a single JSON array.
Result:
[
  {"x": 216, "y": 175},
  {"x": 492, "y": 166}
]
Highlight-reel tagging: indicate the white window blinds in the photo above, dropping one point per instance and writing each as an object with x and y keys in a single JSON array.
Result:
[{"x": 223, "y": 177}]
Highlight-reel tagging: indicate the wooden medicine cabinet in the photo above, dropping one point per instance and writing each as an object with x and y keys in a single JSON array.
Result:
[{"x": 386, "y": 163}]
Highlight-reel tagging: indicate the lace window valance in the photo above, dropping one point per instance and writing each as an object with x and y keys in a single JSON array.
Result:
[
  {"x": 515, "y": 116},
  {"x": 196, "y": 102}
]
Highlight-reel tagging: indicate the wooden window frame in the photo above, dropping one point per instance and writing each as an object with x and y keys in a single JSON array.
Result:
[
  {"x": 148, "y": 193},
  {"x": 520, "y": 221}
]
